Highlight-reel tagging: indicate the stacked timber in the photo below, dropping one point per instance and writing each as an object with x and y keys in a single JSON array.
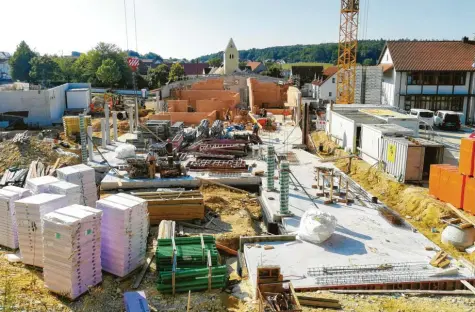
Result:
[
  {"x": 72, "y": 258},
  {"x": 8, "y": 226},
  {"x": 39, "y": 169},
  {"x": 29, "y": 212},
  {"x": 186, "y": 205}
]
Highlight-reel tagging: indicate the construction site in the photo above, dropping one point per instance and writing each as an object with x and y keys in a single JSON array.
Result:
[{"x": 234, "y": 193}]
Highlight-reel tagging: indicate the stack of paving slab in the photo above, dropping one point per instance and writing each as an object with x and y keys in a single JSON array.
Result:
[
  {"x": 85, "y": 177},
  {"x": 72, "y": 257},
  {"x": 124, "y": 233},
  {"x": 8, "y": 227},
  {"x": 40, "y": 184},
  {"x": 29, "y": 212},
  {"x": 70, "y": 190}
]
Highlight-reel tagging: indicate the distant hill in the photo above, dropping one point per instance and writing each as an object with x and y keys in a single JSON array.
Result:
[{"x": 321, "y": 53}]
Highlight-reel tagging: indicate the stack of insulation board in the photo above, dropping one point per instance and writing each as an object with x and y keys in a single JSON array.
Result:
[
  {"x": 70, "y": 190},
  {"x": 72, "y": 257},
  {"x": 8, "y": 227},
  {"x": 85, "y": 177},
  {"x": 191, "y": 262},
  {"x": 124, "y": 233},
  {"x": 41, "y": 184},
  {"x": 29, "y": 212}
]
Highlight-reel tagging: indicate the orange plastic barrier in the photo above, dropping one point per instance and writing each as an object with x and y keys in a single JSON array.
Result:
[
  {"x": 455, "y": 189},
  {"x": 434, "y": 179}
]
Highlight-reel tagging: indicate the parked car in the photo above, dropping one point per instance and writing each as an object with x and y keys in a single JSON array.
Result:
[
  {"x": 472, "y": 136},
  {"x": 425, "y": 116},
  {"x": 447, "y": 120}
]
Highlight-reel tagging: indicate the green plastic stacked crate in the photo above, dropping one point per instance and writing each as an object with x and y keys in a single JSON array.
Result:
[{"x": 191, "y": 265}]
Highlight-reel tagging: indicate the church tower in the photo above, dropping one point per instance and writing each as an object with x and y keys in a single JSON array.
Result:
[{"x": 231, "y": 58}]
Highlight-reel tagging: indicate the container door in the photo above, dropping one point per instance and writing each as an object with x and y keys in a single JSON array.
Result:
[{"x": 415, "y": 163}]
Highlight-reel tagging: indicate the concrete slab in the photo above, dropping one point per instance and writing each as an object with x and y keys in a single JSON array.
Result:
[{"x": 362, "y": 236}]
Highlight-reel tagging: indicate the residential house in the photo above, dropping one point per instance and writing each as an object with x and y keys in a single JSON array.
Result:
[
  {"x": 256, "y": 67},
  {"x": 435, "y": 75},
  {"x": 325, "y": 88},
  {"x": 195, "y": 69},
  {"x": 4, "y": 66},
  {"x": 145, "y": 64}
]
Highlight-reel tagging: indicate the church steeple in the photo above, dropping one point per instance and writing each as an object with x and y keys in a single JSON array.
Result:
[{"x": 231, "y": 58}]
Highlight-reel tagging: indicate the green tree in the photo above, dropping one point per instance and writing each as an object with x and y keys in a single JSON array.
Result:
[
  {"x": 215, "y": 62},
  {"x": 158, "y": 76},
  {"x": 368, "y": 62},
  {"x": 274, "y": 71},
  {"x": 153, "y": 56},
  {"x": 20, "y": 62},
  {"x": 43, "y": 70},
  {"x": 176, "y": 72},
  {"x": 65, "y": 72},
  {"x": 79, "y": 68},
  {"x": 109, "y": 72},
  {"x": 102, "y": 52}
]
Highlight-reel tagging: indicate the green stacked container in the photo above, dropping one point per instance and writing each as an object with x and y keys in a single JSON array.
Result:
[{"x": 191, "y": 264}]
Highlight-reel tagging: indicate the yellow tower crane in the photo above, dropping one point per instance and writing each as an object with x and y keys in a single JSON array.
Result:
[{"x": 347, "y": 49}]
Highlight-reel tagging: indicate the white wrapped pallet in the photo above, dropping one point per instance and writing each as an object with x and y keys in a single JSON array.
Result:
[
  {"x": 29, "y": 212},
  {"x": 22, "y": 191},
  {"x": 8, "y": 226},
  {"x": 72, "y": 257},
  {"x": 85, "y": 177},
  {"x": 40, "y": 184},
  {"x": 124, "y": 233},
  {"x": 70, "y": 190}
]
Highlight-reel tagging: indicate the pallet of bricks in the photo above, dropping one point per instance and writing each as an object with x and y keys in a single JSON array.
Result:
[
  {"x": 185, "y": 205},
  {"x": 85, "y": 177},
  {"x": 189, "y": 263},
  {"x": 456, "y": 185}
]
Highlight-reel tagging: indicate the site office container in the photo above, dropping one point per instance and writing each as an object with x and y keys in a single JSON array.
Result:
[
  {"x": 469, "y": 196},
  {"x": 409, "y": 159},
  {"x": 372, "y": 139},
  {"x": 467, "y": 156}
]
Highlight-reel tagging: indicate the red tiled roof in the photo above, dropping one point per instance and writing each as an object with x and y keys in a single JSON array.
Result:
[
  {"x": 194, "y": 68},
  {"x": 329, "y": 71},
  {"x": 432, "y": 55},
  {"x": 253, "y": 65}
]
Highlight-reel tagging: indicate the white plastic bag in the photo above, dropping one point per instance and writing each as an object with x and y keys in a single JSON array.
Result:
[
  {"x": 125, "y": 151},
  {"x": 316, "y": 226}
]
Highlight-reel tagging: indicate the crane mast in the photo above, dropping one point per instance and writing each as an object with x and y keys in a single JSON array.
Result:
[{"x": 347, "y": 49}]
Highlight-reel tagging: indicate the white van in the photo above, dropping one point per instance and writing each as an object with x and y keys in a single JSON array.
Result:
[{"x": 425, "y": 116}]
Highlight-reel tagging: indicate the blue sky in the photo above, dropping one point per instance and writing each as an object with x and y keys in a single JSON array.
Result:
[{"x": 190, "y": 28}]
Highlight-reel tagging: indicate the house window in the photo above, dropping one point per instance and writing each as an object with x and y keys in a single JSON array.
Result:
[
  {"x": 445, "y": 78},
  {"x": 333, "y": 80},
  {"x": 430, "y": 78},
  {"x": 459, "y": 78},
  {"x": 434, "y": 103},
  {"x": 414, "y": 78},
  {"x": 329, "y": 94}
]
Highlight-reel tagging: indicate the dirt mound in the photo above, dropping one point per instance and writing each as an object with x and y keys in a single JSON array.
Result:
[{"x": 21, "y": 155}]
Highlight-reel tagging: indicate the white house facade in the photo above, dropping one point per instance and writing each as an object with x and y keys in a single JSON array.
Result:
[{"x": 434, "y": 75}]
